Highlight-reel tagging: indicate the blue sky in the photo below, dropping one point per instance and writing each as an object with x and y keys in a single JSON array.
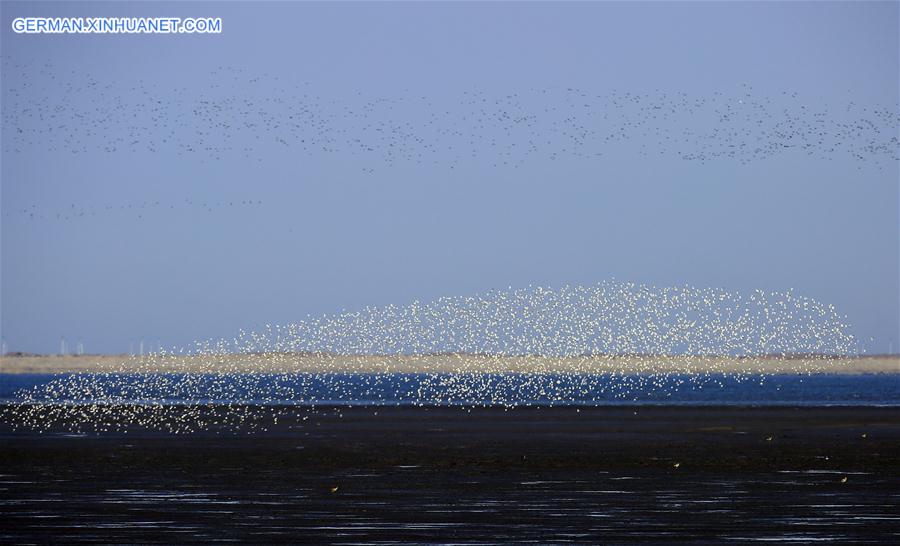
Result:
[{"x": 263, "y": 218}]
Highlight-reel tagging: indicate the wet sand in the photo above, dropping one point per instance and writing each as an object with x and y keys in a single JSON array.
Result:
[
  {"x": 413, "y": 475},
  {"x": 449, "y": 363}
]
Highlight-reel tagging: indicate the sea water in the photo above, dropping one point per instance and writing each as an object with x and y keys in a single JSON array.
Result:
[{"x": 444, "y": 389}]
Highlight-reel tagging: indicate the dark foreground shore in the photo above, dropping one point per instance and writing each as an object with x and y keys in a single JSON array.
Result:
[{"x": 447, "y": 475}]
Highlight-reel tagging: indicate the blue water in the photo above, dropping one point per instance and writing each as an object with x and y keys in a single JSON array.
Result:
[{"x": 443, "y": 389}]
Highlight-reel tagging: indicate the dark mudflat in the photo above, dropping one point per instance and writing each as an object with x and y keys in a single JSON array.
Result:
[{"x": 447, "y": 475}]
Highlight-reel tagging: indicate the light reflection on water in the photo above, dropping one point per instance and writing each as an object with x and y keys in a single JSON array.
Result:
[{"x": 374, "y": 506}]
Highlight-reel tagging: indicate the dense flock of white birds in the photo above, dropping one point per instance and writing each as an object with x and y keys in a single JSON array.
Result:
[{"x": 570, "y": 345}]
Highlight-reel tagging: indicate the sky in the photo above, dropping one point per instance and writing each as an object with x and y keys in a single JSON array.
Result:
[{"x": 316, "y": 157}]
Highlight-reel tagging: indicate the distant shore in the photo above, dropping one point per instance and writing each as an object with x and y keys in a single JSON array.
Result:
[{"x": 445, "y": 363}]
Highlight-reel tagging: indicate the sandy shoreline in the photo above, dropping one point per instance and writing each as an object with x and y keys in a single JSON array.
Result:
[{"x": 453, "y": 363}]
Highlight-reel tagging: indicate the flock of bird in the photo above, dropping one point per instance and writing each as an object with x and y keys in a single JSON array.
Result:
[
  {"x": 241, "y": 114},
  {"x": 138, "y": 209},
  {"x": 516, "y": 347},
  {"x": 506, "y": 348},
  {"x": 238, "y": 115},
  {"x": 49, "y": 111}
]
